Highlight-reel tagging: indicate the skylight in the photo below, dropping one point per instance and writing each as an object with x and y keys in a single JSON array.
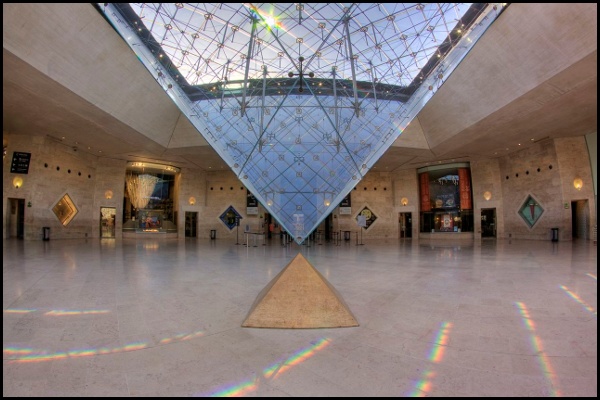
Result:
[{"x": 236, "y": 70}]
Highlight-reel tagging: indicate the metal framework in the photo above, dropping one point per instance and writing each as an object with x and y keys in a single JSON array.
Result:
[{"x": 227, "y": 66}]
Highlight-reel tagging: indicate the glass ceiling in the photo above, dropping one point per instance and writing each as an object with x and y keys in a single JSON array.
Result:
[{"x": 300, "y": 99}]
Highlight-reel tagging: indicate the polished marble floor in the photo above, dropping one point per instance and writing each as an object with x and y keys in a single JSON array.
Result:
[{"x": 112, "y": 317}]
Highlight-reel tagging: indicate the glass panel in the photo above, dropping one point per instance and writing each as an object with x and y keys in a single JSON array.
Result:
[
  {"x": 65, "y": 210},
  {"x": 300, "y": 99}
]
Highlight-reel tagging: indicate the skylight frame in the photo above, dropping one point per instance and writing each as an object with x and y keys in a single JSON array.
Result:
[{"x": 359, "y": 128}]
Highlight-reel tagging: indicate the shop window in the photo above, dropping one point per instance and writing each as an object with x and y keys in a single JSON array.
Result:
[{"x": 446, "y": 199}]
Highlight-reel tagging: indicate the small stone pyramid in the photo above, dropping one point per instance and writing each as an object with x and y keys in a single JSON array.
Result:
[{"x": 299, "y": 297}]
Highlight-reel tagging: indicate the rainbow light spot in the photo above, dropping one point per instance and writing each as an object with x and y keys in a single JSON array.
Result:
[
  {"x": 592, "y": 276},
  {"x": 538, "y": 349},
  {"x": 270, "y": 372},
  {"x": 295, "y": 359},
  {"x": 237, "y": 390},
  {"x": 9, "y": 351},
  {"x": 579, "y": 300},
  {"x": 55, "y": 312},
  {"x": 441, "y": 341},
  {"x": 181, "y": 337},
  {"x": 436, "y": 355},
  {"x": 16, "y": 354},
  {"x": 60, "y": 313},
  {"x": 269, "y": 20}
]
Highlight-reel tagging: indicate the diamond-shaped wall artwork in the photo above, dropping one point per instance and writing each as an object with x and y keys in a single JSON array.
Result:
[
  {"x": 300, "y": 103},
  {"x": 65, "y": 210},
  {"x": 230, "y": 217},
  {"x": 531, "y": 211},
  {"x": 365, "y": 218}
]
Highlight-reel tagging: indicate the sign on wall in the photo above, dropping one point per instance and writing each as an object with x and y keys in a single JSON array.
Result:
[
  {"x": 346, "y": 205},
  {"x": 20, "y": 163},
  {"x": 251, "y": 204}
]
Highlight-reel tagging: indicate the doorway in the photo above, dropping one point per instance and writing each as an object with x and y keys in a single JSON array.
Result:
[
  {"x": 328, "y": 225},
  {"x": 405, "y": 220},
  {"x": 488, "y": 222},
  {"x": 580, "y": 219},
  {"x": 191, "y": 223},
  {"x": 107, "y": 222},
  {"x": 16, "y": 218}
]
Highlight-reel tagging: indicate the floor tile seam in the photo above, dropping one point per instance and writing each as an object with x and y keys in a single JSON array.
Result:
[{"x": 24, "y": 291}]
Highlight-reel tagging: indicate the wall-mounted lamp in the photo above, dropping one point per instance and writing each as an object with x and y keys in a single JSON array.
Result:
[
  {"x": 192, "y": 200},
  {"x": 578, "y": 183},
  {"x": 269, "y": 202},
  {"x": 327, "y": 202},
  {"x": 108, "y": 194},
  {"x": 17, "y": 182},
  {"x": 487, "y": 195},
  {"x": 404, "y": 201}
]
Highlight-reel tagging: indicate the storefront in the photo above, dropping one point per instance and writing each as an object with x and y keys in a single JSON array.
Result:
[
  {"x": 446, "y": 204},
  {"x": 148, "y": 203}
]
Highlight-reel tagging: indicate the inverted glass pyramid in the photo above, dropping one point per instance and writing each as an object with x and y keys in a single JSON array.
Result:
[{"x": 300, "y": 99}]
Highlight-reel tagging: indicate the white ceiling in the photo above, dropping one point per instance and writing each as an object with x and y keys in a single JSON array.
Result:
[{"x": 67, "y": 73}]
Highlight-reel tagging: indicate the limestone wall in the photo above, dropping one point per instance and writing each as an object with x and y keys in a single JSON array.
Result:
[
  {"x": 56, "y": 170},
  {"x": 544, "y": 170},
  {"x": 485, "y": 177}
]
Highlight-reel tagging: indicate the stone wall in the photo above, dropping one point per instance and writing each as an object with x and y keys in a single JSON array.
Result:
[
  {"x": 224, "y": 189},
  {"x": 544, "y": 170},
  {"x": 375, "y": 192},
  {"x": 406, "y": 186},
  {"x": 110, "y": 176},
  {"x": 54, "y": 170},
  {"x": 485, "y": 177}
]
